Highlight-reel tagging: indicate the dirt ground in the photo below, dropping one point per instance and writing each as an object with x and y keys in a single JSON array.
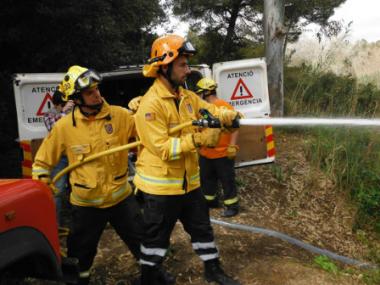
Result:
[{"x": 287, "y": 197}]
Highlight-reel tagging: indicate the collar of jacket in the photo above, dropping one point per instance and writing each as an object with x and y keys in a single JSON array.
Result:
[
  {"x": 104, "y": 112},
  {"x": 164, "y": 92}
]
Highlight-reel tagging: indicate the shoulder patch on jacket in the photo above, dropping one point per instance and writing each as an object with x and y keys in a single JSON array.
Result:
[
  {"x": 150, "y": 116},
  {"x": 109, "y": 128}
]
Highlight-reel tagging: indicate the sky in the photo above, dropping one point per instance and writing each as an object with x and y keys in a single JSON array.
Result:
[{"x": 365, "y": 15}]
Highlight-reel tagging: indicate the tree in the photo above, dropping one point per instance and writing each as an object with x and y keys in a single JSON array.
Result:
[
  {"x": 299, "y": 14},
  {"x": 274, "y": 42},
  {"x": 225, "y": 28},
  {"x": 221, "y": 25},
  {"x": 49, "y": 36},
  {"x": 228, "y": 26}
]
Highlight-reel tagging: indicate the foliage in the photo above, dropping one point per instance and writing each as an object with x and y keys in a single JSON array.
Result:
[
  {"x": 326, "y": 263},
  {"x": 49, "y": 36},
  {"x": 315, "y": 92},
  {"x": 351, "y": 157},
  {"x": 228, "y": 28},
  {"x": 372, "y": 277},
  {"x": 299, "y": 13}
]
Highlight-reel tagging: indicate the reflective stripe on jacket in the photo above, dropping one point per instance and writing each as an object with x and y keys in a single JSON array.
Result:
[
  {"x": 162, "y": 168},
  {"x": 102, "y": 182}
]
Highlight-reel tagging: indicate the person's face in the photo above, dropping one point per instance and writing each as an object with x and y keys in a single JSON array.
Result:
[
  {"x": 91, "y": 96},
  {"x": 180, "y": 70},
  {"x": 207, "y": 98}
]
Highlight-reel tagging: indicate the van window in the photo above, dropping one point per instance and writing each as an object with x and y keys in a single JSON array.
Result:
[
  {"x": 192, "y": 80},
  {"x": 119, "y": 90}
]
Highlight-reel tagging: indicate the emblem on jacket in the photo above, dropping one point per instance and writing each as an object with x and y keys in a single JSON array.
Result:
[
  {"x": 109, "y": 128},
  {"x": 150, "y": 116}
]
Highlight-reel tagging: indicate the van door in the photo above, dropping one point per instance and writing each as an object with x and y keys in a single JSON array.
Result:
[
  {"x": 243, "y": 84},
  {"x": 33, "y": 96}
]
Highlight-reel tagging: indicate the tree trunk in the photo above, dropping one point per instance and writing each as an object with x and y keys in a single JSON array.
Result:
[
  {"x": 231, "y": 26},
  {"x": 274, "y": 34}
]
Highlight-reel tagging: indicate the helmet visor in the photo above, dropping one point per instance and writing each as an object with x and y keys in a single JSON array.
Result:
[
  {"x": 187, "y": 48},
  {"x": 87, "y": 79}
]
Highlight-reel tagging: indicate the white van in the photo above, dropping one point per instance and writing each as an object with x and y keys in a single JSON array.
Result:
[{"x": 241, "y": 83}]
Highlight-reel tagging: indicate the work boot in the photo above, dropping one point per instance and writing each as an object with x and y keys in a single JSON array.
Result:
[
  {"x": 214, "y": 273},
  {"x": 124, "y": 282},
  {"x": 231, "y": 210},
  {"x": 136, "y": 281},
  {"x": 148, "y": 275},
  {"x": 83, "y": 281},
  {"x": 165, "y": 277},
  {"x": 155, "y": 275},
  {"x": 213, "y": 204}
]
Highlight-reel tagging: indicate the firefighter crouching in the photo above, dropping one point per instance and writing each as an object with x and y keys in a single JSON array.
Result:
[
  {"x": 167, "y": 174},
  {"x": 100, "y": 190},
  {"x": 218, "y": 163}
]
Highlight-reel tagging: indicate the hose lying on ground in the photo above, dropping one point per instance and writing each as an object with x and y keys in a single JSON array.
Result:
[{"x": 296, "y": 242}]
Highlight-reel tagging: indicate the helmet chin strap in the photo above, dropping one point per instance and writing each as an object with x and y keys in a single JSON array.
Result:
[
  {"x": 168, "y": 76},
  {"x": 95, "y": 107}
]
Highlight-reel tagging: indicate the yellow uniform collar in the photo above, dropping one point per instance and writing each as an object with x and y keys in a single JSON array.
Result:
[
  {"x": 103, "y": 113},
  {"x": 164, "y": 92}
]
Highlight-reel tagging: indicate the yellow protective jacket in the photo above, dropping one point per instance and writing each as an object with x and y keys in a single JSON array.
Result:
[
  {"x": 102, "y": 182},
  {"x": 162, "y": 167}
]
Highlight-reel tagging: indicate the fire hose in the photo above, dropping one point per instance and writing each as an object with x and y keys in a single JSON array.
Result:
[{"x": 208, "y": 120}]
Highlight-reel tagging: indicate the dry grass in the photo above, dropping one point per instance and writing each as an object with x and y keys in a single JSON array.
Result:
[{"x": 360, "y": 59}]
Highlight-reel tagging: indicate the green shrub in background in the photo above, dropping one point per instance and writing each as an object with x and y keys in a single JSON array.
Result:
[
  {"x": 311, "y": 91},
  {"x": 351, "y": 159},
  {"x": 350, "y": 156}
]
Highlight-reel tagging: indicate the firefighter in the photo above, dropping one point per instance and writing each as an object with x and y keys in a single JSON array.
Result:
[
  {"x": 100, "y": 189},
  {"x": 60, "y": 109},
  {"x": 167, "y": 175},
  {"x": 218, "y": 163}
]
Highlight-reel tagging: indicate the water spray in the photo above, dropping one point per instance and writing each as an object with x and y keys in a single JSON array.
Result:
[{"x": 310, "y": 122}]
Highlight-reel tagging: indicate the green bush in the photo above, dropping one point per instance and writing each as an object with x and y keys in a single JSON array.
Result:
[
  {"x": 350, "y": 156},
  {"x": 310, "y": 91}
]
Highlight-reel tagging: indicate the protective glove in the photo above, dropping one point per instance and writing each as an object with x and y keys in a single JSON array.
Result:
[
  {"x": 227, "y": 117},
  {"x": 45, "y": 178},
  {"x": 134, "y": 104},
  {"x": 232, "y": 150},
  {"x": 208, "y": 137}
]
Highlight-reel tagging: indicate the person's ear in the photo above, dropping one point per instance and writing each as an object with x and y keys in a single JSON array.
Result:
[{"x": 165, "y": 68}]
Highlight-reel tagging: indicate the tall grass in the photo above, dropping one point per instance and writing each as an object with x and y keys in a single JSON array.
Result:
[
  {"x": 349, "y": 156},
  {"x": 360, "y": 59}
]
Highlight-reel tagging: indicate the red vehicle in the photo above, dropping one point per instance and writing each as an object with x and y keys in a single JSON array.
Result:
[{"x": 29, "y": 243}]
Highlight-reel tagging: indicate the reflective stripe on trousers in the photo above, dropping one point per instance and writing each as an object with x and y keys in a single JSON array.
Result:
[
  {"x": 206, "y": 250},
  {"x": 152, "y": 256}
]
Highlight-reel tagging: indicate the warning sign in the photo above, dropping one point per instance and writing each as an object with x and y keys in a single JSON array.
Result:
[
  {"x": 45, "y": 106},
  {"x": 241, "y": 91}
]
